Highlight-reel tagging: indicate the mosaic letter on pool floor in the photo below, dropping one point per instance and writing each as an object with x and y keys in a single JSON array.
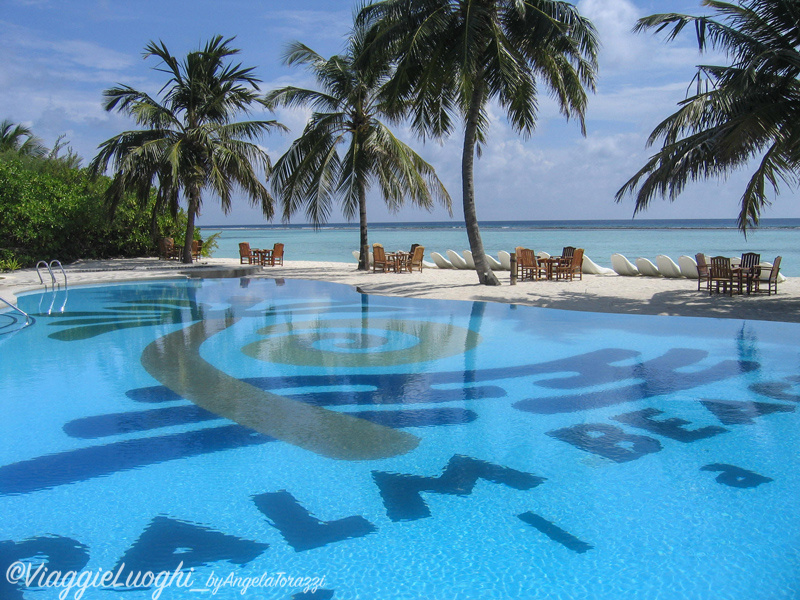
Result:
[
  {"x": 72, "y": 466},
  {"x": 302, "y": 531},
  {"x": 555, "y": 533},
  {"x": 736, "y": 476},
  {"x": 671, "y": 428},
  {"x": 610, "y": 441},
  {"x": 63, "y": 554},
  {"x": 401, "y": 493},
  {"x": 656, "y": 377},
  {"x": 733, "y": 412},
  {"x": 168, "y": 542}
]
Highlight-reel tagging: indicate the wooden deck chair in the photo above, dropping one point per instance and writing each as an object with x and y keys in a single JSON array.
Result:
[
  {"x": 197, "y": 249},
  {"x": 416, "y": 260},
  {"x": 379, "y": 261},
  {"x": 702, "y": 271},
  {"x": 275, "y": 256},
  {"x": 166, "y": 248},
  {"x": 246, "y": 254},
  {"x": 720, "y": 272},
  {"x": 772, "y": 280},
  {"x": 567, "y": 252},
  {"x": 750, "y": 261},
  {"x": 568, "y": 270},
  {"x": 528, "y": 267}
]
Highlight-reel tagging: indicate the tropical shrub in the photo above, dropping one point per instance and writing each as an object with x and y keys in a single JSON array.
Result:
[{"x": 50, "y": 211}]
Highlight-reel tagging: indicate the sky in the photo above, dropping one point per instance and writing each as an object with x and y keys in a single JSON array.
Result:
[{"x": 57, "y": 57}]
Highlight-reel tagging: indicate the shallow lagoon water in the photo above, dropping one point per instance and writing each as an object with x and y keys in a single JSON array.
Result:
[
  {"x": 477, "y": 450},
  {"x": 600, "y": 239}
]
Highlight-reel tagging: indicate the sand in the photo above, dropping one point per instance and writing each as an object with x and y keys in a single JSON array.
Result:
[{"x": 594, "y": 293}]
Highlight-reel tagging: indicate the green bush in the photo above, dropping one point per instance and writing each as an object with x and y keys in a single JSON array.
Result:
[{"x": 50, "y": 211}]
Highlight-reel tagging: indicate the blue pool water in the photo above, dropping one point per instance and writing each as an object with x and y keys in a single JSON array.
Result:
[{"x": 332, "y": 445}]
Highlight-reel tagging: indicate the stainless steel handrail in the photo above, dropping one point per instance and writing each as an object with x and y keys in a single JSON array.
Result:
[
  {"x": 28, "y": 318},
  {"x": 60, "y": 266},
  {"x": 49, "y": 270}
]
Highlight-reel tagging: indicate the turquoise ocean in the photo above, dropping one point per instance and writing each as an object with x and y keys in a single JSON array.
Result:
[{"x": 600, "y": 239}]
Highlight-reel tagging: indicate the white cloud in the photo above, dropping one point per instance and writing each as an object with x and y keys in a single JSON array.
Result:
[{"x": 298, "y": 24}]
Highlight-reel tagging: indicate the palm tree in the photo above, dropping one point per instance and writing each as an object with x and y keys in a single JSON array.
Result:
[
  {"x": 11, "y": 140},
  {"x": 747, "y": 110},
  {"x": 455, "y": 56},
  {"x": 347, "y": 112},
  {"x": 189, "y": 141}
]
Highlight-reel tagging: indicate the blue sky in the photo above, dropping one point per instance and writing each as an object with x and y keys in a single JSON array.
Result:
[{"x": 57, "y": 57}]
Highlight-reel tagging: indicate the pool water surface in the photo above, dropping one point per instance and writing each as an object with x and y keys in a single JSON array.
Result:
[{"x": 270, "y": 439}]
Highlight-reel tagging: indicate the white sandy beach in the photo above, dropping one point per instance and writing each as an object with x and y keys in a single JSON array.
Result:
[{"x": 594, "y": 293}]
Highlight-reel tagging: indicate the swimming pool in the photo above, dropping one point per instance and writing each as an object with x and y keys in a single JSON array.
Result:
[{"x": 263, "y": 438}]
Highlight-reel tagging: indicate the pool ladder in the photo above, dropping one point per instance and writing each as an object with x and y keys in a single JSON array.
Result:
[
  {"x": 49, "y": 267},
  {"x": 54, "y": 283}
]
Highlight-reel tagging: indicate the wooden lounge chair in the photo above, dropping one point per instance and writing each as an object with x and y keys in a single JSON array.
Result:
[
  {"x": 568, "y": 270},
  {"x": 197, "y": 249},
  {"x": 247, "y": 255},
  {"x": 721, "y": 273},
  {"x": 166, "y": 248},
  {"x": 772, "y": 280},
  {"x": 751, "y": 270},
  {"x": 379, "y": 260},
  {"x": 703, "y": 272},
  {"x": 416, "y": 260},
  {"x": 527, "y": 266},
  {"x": 273, "y": 257}
]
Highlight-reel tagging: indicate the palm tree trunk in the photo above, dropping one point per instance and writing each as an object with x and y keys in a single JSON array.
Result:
[
  {"x": 485, "y": 274},
  {"x": 194, "y": 204},
  {"x": 363, "y": 255}
]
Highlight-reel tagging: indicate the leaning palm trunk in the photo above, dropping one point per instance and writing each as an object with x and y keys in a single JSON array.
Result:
[
  {"x": 485, "y": 274},
  {"x": 455, "y": 56},
  {"x": 194, "y": 203},
  {"x": 363, "y": 253}
]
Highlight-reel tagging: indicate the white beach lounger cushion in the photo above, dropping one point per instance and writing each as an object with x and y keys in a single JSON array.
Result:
[
  {"x": 441, "y": 261},
  {"x": 542, "y": 255},
  {"x": 505, "y": 260},
  {"x": 667, "y": 267},
  {"x": 646, "y": 267},
  {"x": 765, "y": 268},
  {"x": 428, "y": 265},
  {"x": 494, "y": 264},
  {"x": 357, "y": 256},
  {"x": 590, "y": 267},
  {"x": 468, "y": 259},
  {"x": 688, "y": 266},
  {"x": 622, "y": 266},
  {"x": 456, "y": 259}
]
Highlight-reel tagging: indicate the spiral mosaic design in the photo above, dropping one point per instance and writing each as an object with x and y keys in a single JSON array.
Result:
[{"x": 369, "y": 342}]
